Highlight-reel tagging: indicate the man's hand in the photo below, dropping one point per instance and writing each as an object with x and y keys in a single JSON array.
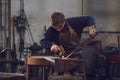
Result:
[
  {"x": 55, "y": 48},
  {"x": 92, "y": 31}
]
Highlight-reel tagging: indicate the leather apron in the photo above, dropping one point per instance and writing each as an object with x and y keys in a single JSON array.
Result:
[{"x": 69, "y": 39}]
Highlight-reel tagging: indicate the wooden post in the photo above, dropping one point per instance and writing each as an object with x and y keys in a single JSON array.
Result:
[{"x": 9, "y": 24}]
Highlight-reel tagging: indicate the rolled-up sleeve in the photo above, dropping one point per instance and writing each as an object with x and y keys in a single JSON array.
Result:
[
  {"x": 91, "y": 20},
  {"x": 50, "y": 37}
]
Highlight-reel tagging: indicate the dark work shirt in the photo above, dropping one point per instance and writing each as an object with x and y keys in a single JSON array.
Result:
[{"x": 51, "y": 35}]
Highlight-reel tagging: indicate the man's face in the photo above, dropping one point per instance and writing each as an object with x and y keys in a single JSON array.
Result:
[{"x": 59, "y": 26}]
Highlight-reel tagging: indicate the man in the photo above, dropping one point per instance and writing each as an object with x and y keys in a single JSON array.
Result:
[{"x": 66, "y": 33}]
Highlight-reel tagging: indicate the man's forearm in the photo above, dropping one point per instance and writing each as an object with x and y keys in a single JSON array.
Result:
[{"x": 92, "y": 31}]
